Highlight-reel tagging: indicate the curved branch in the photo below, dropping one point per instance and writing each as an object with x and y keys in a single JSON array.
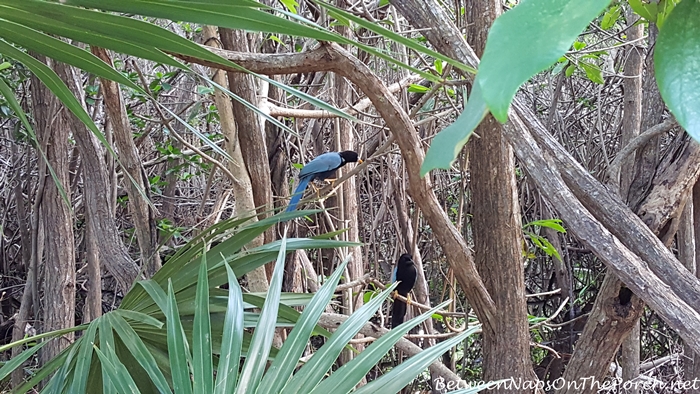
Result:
[{"x": 632, "y": 146}]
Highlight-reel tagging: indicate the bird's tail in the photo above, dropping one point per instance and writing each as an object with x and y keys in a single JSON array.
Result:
[
  {"x": 298, "y": 193},
  {"x": 398, "y": 311}
]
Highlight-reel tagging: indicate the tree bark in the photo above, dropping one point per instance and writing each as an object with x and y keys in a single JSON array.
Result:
[
  {"x": 497, "y": 229},
  {"x": 348, "y": 205},
  {"x": 685, "y": 242},
  {"x": 647, "y": 158},
  {"x": 142, "y": 213},
  {"x": 631, "y": 127},
  {"x": 235, "y": 118},
  {"x": 250, "y": 140},
  {"x": 113, "y": 253},
  {"x": 692, "y": 369},
  {"x": 53, "y": 131}
]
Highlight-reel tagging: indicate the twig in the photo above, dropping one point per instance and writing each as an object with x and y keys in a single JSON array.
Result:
[
  {"x": 547, "y": 348},
  {"x": 561, "y": 307},
  {"x": 546, "y": 293},
  {"x": 177, "y": 136},
  {"x": 636, "y": 143}
]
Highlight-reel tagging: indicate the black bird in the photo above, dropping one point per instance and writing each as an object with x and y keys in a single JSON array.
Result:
[
  {"x": 322, "y": 167},
  {"x": 405, "y": 273}
]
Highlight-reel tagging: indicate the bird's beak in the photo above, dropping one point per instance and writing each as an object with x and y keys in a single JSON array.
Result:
[{"x": 359, "y": 161}]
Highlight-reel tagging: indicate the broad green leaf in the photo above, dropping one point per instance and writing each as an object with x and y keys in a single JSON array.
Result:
[
  {"x": 288, "y": 357},
  {"x": 448, "y": 142},
  {"x": 438, "y": 66},
  {"x": 570, "y": 70},
  {"x": 291, "y": 5},
  {"x": 254, "y": 365},
  {"x": 610, "y": 18},
  {"x": 203, "y": 368},
  {"x": 642, "y": 10},
  {"x": 232, "y": 338},
  {"x": 526, "y": 40},
  {"x": 677, "y": 61},
  {"x": 554, "y": 224},
  {"x": 415, "y": 88},
  {"x": 593, "y": 72},
  {"x": 664, "y": 10},
  {"x": 560, "y": 67}
]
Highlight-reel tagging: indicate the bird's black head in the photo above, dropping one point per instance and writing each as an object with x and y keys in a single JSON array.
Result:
[
  {"x": 349, "y": 156},
  {"x": 405, "y": 259}
]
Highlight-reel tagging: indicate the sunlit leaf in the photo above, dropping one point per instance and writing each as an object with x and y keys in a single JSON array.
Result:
[
  {"x": 593, "y": 72},
  {"x": 677, "y": 61},
  {"x": 526, "y": 40},
  {"x": 448, "y": 142}
]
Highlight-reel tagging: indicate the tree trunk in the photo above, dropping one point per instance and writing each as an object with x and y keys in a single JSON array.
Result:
[
  {"x": 631, "y": 124},
  {"x": 113, "y": 253},
  {"x": 497, "y": 231},
  {"x": 251, "y": 142},
  {"x": 234, "y": 119},
  {"x": 685, "y": 242},
  {"x": 53, "y": 131},
  {"x": 141, "y": 212},
  {"x": 348, "y": 207},
  {"x": 692, "y": 369}
]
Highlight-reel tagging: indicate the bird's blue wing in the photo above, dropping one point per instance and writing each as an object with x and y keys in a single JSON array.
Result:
[
  {"x": 326, "y": 162},
  {"x": 298, "y": 193},
  {"x": 393, "y": 274}
]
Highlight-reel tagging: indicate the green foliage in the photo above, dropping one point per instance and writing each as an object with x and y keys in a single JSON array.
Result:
[
  {"x": 447, "y": 143},
  {"x": 179, "y": 332},
  {"x": 532, "y": 36},
  {"x": 541, "y": 242},
  {"x": 522, "y": 42},
  {"x": 653, "y": 11},
  {"x": 611, "y": 16},
  {"x": 677, "y": 61}
]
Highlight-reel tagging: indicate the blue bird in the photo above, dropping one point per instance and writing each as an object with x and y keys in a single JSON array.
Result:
[
  {"x": 405, "y": 273},
  {"x": 321, "y": 167}
]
